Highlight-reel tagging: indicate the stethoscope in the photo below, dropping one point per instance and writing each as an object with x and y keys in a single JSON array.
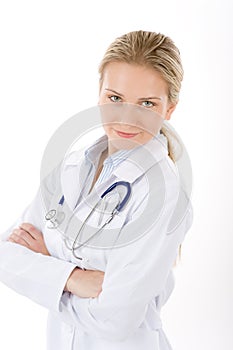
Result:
[{"x": 56, "y": 217}]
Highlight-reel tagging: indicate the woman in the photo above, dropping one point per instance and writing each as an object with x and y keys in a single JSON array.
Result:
[{"x": 112, "y": 299}]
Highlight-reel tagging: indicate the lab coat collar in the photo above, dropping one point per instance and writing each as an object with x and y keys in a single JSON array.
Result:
[
  {"x": 144, "y": 157},
  {"x": 136, "y": 161}
]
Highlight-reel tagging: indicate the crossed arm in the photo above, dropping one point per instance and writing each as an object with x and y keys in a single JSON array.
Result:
[
  {"x": 112, "y": 307},
  {"x": 82, "y": 283}
]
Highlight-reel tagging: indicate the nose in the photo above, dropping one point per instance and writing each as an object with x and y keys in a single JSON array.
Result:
[
  {"x": 127, "y": 116},
  {"x": 122, "y": 114}
]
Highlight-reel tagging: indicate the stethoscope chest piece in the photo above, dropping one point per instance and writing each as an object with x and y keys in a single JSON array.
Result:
[{"x": 55, "y": 217}]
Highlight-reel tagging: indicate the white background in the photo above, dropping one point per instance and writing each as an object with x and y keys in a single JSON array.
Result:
[{"x": 50, "y": 51}]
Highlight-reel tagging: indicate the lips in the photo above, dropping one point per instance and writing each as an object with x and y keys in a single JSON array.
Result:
[{"x": 124, "y": 134}]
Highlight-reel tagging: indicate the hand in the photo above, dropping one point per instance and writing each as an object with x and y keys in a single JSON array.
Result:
[
  {"x": 30, "y": 237},
  {"x": 85, "y": 283}
]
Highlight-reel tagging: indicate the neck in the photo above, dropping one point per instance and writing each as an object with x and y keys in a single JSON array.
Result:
[
  {"x": 103, "y": 156},
  {"x": 110, "y": 150}
]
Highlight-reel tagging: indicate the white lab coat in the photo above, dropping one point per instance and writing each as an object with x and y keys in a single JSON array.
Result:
[{"x": 138, "y": 277}]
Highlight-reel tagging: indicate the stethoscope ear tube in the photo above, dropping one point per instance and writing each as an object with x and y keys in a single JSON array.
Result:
[{"x": 120, "y": 206}]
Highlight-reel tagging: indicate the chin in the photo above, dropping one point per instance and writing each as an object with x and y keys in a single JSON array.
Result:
[{"x": 119, "y": 143}]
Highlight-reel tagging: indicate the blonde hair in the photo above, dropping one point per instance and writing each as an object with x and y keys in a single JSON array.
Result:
[{"x": 154, "y": 51}]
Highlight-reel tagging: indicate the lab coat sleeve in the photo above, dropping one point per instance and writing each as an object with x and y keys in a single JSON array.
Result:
[
  {"x": 135, "y": 274},
  {"x": 38, "y": 277}
]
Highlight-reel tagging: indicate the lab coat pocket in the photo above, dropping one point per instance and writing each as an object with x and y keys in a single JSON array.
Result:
[{"x": 53, "y": 241}]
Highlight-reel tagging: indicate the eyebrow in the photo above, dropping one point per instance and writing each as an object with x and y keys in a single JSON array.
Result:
[{"x": 141, "y": 98}]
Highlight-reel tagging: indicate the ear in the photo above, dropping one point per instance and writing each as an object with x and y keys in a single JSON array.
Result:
[{"x": 170, "y": 110}]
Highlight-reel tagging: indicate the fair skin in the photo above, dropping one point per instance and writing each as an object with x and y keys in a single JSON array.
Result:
[
  {"x": 133, "y": 84},
  {"x": 122, "y": 82}
]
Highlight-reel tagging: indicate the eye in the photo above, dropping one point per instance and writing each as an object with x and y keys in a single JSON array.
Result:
[
  {"x": 149, "y": 104},
  {"x": 114, "y": 98}
]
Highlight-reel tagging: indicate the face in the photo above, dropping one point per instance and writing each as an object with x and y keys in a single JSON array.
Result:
[{"x": 145, "y": 94}]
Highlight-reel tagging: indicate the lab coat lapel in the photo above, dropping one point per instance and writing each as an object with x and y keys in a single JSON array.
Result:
[
  {"x": 140, "y": 161},
  {"x": 73, "y": 176}
]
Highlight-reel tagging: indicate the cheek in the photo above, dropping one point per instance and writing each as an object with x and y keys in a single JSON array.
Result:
[
  {"x": 108, "y": 130},
  {"x": 144, "y": 137},
  {"x": 103, "y": 99},
  {"x": 150, "y": 127}
]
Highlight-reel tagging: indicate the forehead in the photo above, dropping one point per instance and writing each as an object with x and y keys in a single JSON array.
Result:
[{"x": 122, "y": 77}]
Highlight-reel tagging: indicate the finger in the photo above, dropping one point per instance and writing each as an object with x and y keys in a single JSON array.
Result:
[
  {"x": 31, "y": 229},
  {"x": 17, "y": 239},
  {"x": 23, "y": 235}
]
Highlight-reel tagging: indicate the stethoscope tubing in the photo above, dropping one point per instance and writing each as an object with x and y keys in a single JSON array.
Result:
[{"x": 116, "y": 210}]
